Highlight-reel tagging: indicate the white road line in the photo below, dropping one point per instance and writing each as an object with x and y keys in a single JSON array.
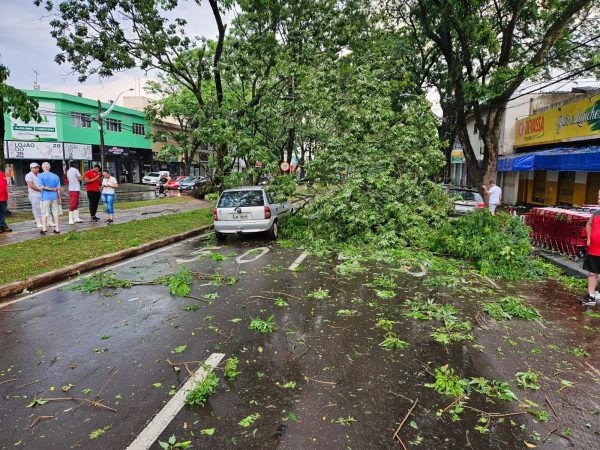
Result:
[
  {"x": 298, "y": 261},
  {"x": 264, "y": 250},
  {"x": 154, "y": 429},
  {"x": 104, "y": 269}
]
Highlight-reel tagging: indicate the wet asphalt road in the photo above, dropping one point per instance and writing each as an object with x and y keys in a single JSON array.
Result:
[{"x": 319, "y": 381}]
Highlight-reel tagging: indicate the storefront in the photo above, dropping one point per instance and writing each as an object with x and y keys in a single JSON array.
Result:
[{"x": 557, "y": 156}]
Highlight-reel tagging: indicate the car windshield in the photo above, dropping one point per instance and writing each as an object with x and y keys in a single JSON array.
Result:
[
  {"x": 190, "y": 179},
  {"x": 235, "y": 199},
  {"x": 153, "y": 174},
  {"x": 466, "y": 195}
]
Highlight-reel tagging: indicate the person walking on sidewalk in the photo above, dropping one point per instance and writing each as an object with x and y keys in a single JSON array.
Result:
[
  {"x": 494, "y": 195},
  {"x": 74, "y": 178},
  {"x": 591, "y": 263},
  {"x": 50, "y": 200},
  {"x": 33, "y": 192},
  {"x": 109, "y": 184},
  {"x": 92, "y": 187},
  {"x": 3, "y": 202}
]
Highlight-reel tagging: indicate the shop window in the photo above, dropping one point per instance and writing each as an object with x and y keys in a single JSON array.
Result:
[
  {"x": 81, "y": 120},
  {"x": 593, "y": 186},
  {"x": 539, "y": 186},
  {"x": 139, "y": 128},
  {"x": 566, "y": 187},
  {"x": 113, "y": 125}
]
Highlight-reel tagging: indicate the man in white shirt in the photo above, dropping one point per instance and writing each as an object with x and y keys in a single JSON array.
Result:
[
  {"x": 494, "y": 195},
  {"x": 34, "y": 192},
  {"x": 74, "y": 178}
]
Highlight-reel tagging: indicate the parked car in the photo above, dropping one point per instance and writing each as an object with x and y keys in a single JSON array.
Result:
[
  {"x": 191, "y": 183},
  {"x": 173, "y": 183},
  {"x": 153, "y": 177},
  {"x": 464, "y": 199},
  {"x": 249, "y": 209}
]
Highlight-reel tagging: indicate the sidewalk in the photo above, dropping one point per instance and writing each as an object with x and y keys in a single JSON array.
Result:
[{"x": 26, "y": 231}]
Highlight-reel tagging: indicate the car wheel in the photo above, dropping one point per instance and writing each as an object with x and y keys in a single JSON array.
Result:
[
  {"x": 274, "y": 231},
  {"x": 220, "y": 236}
]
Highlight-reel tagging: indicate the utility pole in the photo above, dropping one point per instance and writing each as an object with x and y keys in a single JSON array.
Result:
[{"x": 101, "y": 128}]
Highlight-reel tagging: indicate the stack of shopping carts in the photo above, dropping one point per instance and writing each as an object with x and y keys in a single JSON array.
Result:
[{"x": 560, "y": 230}]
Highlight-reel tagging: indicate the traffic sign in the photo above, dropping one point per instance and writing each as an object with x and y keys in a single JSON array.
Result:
[
  {"x": 258, "y": 164},
  {"x": 284, "y": 166}
]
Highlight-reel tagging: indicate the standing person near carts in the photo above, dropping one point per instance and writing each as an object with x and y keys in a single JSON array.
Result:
[
  {"x": 74, "y": 178},
  {"x": 33, "y": 193},
  {"x": 3, "y": 202},
  {"x": 92, "y": 187},
  {"x": 49, "y": 183},
  {"x": 109, "y": 184},
  {"x": 592, "y": 260},
  {"x": 494, "y": 195}
]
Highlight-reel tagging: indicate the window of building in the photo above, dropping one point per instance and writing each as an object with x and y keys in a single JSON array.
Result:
[
  {"x": 113, "y": 125},
  {"x": 139, "y": 128},
  {"x": 81, "y": 120}
]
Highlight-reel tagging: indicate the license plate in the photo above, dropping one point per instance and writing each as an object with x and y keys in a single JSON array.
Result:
[
  {"x": 240, "y": 216},
  {"x": 463, "y": 208}
]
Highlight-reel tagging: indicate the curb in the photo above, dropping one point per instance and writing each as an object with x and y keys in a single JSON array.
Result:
[
  {"x": 570, "y": 268},
  {"x": 57, "y": 275}
]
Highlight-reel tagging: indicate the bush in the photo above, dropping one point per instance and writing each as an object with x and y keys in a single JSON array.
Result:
[
  {"x": 282, "y": 188},
  {"x": 499, "y": 246}
]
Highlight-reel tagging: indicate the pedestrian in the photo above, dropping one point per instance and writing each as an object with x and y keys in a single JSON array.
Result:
[
  {"x": 109, "y": 184},
  {"x": 494, "y": 195},
  {"x": 3, "y": 202},
  {"x": 74, "y": 178},
  {"x": 591, "y": 263},
  {"x": 92, "y": 187},
  {"x": 50, "y": 201},
  {"x": 33, "y": 192},
  {"x": 298, "y": 174}
]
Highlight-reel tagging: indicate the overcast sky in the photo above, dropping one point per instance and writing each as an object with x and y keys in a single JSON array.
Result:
[{"x": 26, "y": 45}]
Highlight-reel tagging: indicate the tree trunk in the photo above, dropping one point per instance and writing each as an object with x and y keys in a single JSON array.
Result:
[{"x": 491, "y": 141}]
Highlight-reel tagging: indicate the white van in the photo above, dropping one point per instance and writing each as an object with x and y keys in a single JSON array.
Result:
[{"x": 153, "y": 177}]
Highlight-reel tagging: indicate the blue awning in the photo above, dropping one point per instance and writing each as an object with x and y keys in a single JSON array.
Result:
[{"x": 578, "y": 159}]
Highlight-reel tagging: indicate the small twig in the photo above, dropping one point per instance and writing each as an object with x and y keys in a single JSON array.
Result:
[
  {"x": 426, "y": 367},
  {"x": 467, "y": 436},
  {"x": 8, "y": 381},
  {"x": 554, "y": 430},
  {"x": 29, "y": 384},
  {"x": 550, "y": 404},
  {"x": 263, "y": 297},
  {"x": 112, "y": 374},
  {"x": 341, "y": 328},
  {"x": 197, "y": 298},
  {"x": 408, "y": 413},
  {"x": 97, "y": 404},
  {"x": 319, "y": 381},
  {"x": 459, "y": 399},
  {"x": 39, "y": 419},
  {"x": 301, "y": 354},
  {"x": 158, "y": 212},
  {"x": 284, "y": 294}
]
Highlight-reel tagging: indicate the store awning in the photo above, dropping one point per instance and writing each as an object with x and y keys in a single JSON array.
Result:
[{"x": 578, "y": 159}]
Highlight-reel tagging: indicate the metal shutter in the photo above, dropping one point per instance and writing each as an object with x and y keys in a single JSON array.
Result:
[
  {"x": 593, "y": 186},
  {"x": 566, "y": 186},
  {"x": 539, "y": 186}
]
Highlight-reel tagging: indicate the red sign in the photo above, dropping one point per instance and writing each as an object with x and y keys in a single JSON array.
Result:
[
  {"x": 258, "y": 164},
  {"x": 284, "y": 166}
]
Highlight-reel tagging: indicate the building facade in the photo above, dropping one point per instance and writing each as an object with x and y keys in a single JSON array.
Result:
[
  {"x": 556, "y": 157},
  {"x": 69, "y": 131}
]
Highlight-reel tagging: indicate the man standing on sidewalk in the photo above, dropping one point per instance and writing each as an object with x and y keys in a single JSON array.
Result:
[
  {"x": 591, "y": 263},
  {"x": 92, "y": 186},
  {"x": 3, "y": 202},
  {"x": 34, "y": 192},
  {"x": 50, "y": 201},
  {"x": 494, "y": 195},
  {"x": 74, "y": 178}
]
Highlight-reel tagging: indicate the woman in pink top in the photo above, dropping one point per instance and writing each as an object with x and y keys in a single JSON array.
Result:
[{"x": 592, "y": 260}]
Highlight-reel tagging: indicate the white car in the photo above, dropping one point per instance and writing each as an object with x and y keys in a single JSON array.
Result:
[
  {"x": 153, "y": 177},
  {"x": 249, "y": 209}
]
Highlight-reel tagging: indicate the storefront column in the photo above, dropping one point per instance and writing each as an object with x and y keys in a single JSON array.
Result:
[
  {"x": 580, "y": 188},
  {"x": 551, "y": 194}
]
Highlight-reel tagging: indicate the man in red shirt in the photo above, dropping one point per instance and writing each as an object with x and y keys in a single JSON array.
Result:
[
  {"x": 3, "y": 202},
  {"x": 92, "y": 186},
  {"x": 592, "y": 260}
]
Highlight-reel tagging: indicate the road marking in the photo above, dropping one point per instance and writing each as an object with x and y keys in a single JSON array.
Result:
[
  {"x": 298, "y": 261},
  {"x": 199, "y": 254},
  {"x": 154, "y": 429},
  {"x": 240, "y": 259},
  {"x": 104, "y": 269}
]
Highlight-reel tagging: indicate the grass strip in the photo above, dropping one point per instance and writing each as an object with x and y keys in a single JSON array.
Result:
[
  {"x": 24, "y": 216},
  {"x": 25, "y": 259}
]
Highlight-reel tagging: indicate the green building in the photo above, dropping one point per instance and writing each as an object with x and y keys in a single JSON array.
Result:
[{"x": 69, "y": 131}]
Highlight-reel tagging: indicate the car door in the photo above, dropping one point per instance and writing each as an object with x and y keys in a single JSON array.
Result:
[{"x": 241, "y": 205}]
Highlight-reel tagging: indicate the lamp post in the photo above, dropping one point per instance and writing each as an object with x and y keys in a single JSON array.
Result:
[{"x": 101, "y": 116}]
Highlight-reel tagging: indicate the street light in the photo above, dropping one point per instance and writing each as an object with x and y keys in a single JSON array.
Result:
[{"x": 101, "y": 116}]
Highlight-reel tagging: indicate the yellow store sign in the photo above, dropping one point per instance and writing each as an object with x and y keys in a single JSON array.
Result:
[{"x": 573, "y": 122}]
